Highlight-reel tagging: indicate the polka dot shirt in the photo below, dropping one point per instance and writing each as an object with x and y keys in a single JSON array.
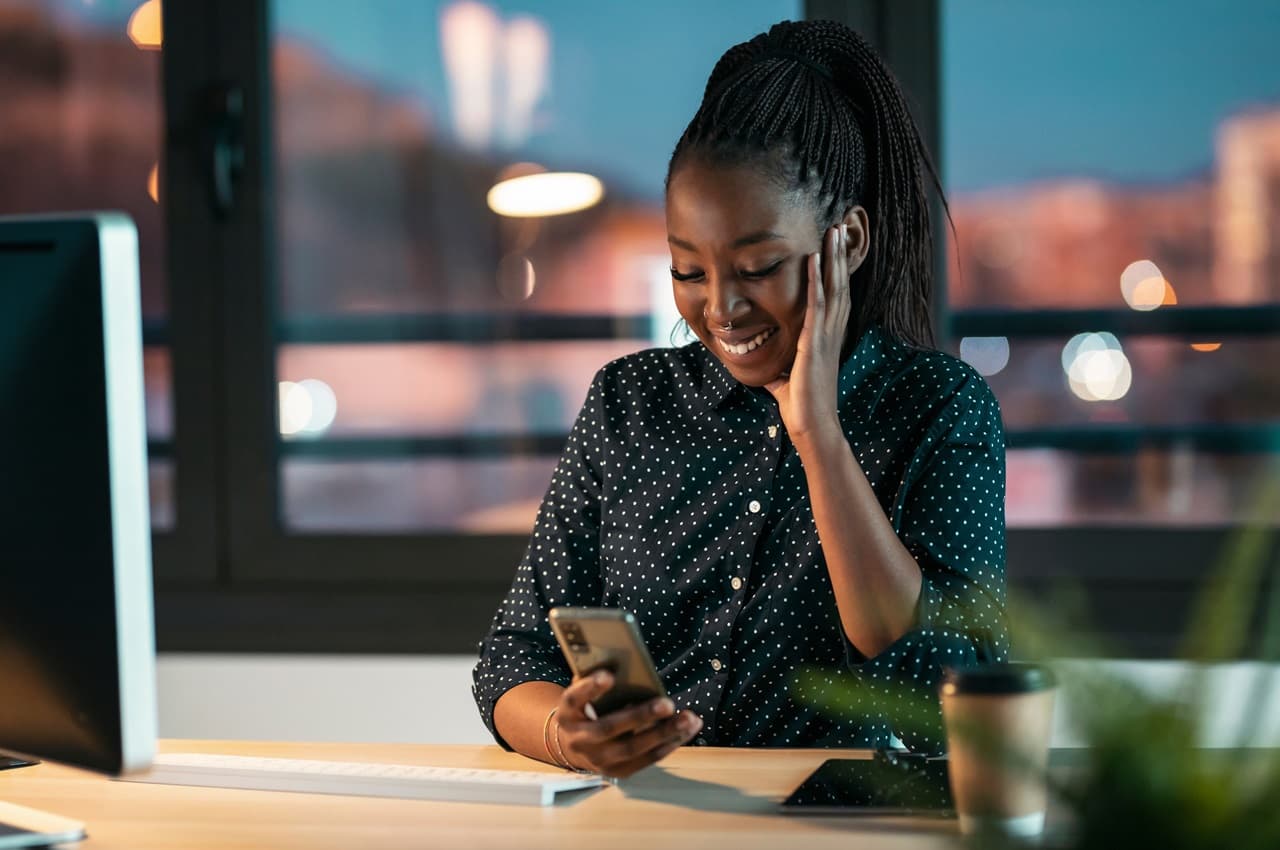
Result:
[{"x": 679, "y": 498}]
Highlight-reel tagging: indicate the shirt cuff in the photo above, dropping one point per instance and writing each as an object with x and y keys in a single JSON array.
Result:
[
  {"x": 927, "y": 605},
  {"x": 488, "y": 687}
]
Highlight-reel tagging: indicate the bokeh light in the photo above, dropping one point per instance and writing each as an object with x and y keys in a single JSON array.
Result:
[
  {"x": 144, "y": 26},
  {"x": 516, "y": 277},
  {"x": 552, "y": 193},
  {"x": 324, "y": 406},
  {"x": 307, "y": 407},
  {"x": 153, "y": 183},
  {"x": 987, "y": 354},
  {"x": 295, "y": 408},
  {"x": 1096, "y": 366},
  {"x": 470, "y": 39},
  {"x": 1144, "y": 286},
  {"x": 1206, "y": 346}
]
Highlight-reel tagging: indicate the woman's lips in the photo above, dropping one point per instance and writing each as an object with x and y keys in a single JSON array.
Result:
[{"x": 748, "y": 345}]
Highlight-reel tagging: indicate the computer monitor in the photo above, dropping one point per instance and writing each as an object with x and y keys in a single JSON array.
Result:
[{"x": 77, "y": 640}]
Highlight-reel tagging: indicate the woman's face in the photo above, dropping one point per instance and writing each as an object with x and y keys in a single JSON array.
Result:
[{"x": 739, "y": 255}]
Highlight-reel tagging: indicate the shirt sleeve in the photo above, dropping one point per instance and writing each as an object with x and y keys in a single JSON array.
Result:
[
  {"x": 950, "y": 517},
  {"x": 560, "y": 567}
]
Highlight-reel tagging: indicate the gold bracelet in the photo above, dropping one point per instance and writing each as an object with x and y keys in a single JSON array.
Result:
[
  {"x": 564, "y": 759},
  {"x": 546, "y": 741}
]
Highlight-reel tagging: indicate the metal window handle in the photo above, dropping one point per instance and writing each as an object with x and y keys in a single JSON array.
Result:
[{"x": 226, "y": 158}]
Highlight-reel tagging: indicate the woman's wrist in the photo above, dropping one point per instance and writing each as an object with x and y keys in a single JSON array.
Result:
[{"x": 820, "y": 440}]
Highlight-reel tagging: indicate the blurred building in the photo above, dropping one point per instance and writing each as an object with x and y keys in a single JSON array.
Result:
[{"x": 1247, "y": 208}]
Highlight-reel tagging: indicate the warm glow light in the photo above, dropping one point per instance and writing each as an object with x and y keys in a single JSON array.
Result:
[
  {"x": 1149, "y": 294},
  {"x": 1096, "y": 366},
  {"x": 1206, "y": 346},
  {"x": 553, "y": 193},
  {"x": 295, "y": 408},
  {"x": 144, "y": 26},
  {"x": 153, "y": 183},
  {"x": 1144, "y": 286},
  {"x": 987, "y": 354}
]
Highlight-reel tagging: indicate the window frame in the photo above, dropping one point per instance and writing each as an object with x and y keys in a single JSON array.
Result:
[{"x": 230, "y": 579}]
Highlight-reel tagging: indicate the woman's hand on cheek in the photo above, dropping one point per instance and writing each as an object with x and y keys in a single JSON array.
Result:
[{"x": 807, "y": 397}]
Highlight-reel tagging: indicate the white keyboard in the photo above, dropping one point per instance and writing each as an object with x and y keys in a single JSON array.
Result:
[{"x": 409, "y": 781}]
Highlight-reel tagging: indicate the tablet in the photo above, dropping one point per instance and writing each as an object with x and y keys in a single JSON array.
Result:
[{"x": 875, "y": 786}]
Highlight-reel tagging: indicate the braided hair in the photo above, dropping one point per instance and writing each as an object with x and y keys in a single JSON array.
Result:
[{"x": 812, "y": 102}]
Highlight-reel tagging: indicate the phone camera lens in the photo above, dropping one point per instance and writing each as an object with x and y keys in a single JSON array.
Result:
[{"x": 573, "y": 637}]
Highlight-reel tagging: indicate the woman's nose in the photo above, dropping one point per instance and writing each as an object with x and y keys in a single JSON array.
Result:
[{"x": 725, "y": 304}]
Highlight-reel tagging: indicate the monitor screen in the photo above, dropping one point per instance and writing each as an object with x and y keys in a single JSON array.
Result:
[{"x": 76, "y": 632}]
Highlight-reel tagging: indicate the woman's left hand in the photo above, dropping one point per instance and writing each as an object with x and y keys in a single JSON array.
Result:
[{"x": 807, "y": 396}]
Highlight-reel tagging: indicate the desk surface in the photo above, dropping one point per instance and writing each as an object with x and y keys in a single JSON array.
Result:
[{"x": 698, "y": 797}]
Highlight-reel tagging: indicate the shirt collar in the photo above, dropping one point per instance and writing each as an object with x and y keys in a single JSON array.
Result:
[{"x": 718, "y": 386}]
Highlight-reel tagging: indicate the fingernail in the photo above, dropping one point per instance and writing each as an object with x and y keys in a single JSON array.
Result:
[
  {"x": 844, "y": 232},
  {"x": 600, "y": 677},
  {"x": 664, "y": 706}
]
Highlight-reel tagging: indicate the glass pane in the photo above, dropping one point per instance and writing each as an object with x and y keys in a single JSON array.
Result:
[
  {"x": 394, "y": 122},
  {"x": 1049, "y": 488},
  {"x": 395, "y": 119},
  {"x": 82, "y": 123},
  {"x": 1097, "y": 379},
  {"x": 498, "y": 496},
  {"x": 80, "y": 85},
  {"x": 438, "y": 389},
  {"x": 1083, "y": 138},
  {"x": 158, "y": 381},
  {"x": 163, "y": 499}
]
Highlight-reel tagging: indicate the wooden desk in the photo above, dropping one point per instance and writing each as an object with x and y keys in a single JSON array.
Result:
[{"x": 698, "y": 797}]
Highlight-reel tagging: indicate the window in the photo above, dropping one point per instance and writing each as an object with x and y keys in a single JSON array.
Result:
[
  {"x": 83, "y": 122},
  {"x": 433, "y": 351},
  {"x": 1116, "y": 201},
  {"x": 360, "y": 373}
]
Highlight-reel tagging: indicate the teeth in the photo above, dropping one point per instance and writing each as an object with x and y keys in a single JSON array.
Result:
[{"x": 748, "y": 346}]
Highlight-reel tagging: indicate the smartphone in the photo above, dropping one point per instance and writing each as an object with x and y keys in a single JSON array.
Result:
[{"x": 608, "y": 639}]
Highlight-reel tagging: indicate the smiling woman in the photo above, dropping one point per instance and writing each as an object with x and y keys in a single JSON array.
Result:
[{"x": 808, "y": 485}]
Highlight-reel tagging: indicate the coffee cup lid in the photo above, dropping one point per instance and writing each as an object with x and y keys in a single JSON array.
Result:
[{"x": 1007, "y": 678}]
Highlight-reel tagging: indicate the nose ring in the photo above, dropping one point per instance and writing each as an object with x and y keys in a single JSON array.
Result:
[{"x": 727, "y": 326}]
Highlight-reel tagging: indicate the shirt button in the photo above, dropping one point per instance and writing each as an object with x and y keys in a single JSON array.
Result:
[
  {"x": 773, "y": 431},
  {"x": 716, "y": 665},
  {"x": 754, "y": 507},
  {"x": 736, "y": 584}
]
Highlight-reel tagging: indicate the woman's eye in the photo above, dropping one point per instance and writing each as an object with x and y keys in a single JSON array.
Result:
[
  {"x": 675, "y": 275},
  {"x": 762, "y": 273}
]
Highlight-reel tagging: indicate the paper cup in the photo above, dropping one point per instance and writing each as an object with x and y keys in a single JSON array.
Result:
[{"x": 998, "y": 719}]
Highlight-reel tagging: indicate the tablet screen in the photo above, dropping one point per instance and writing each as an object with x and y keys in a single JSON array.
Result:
[{"x": 874, "y": 787}]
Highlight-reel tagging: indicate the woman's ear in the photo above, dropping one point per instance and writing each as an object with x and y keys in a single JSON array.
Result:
[{"x": 859, "y": 242}]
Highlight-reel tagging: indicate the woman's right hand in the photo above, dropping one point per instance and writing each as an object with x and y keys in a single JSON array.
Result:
[{"x": 625, "y": 741}]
